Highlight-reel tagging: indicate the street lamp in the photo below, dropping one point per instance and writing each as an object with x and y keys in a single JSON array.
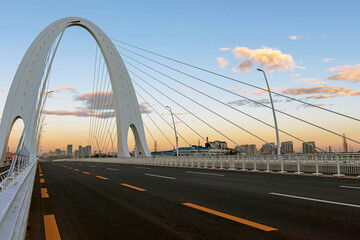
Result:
[
  {"x": 273, "y": 110},
  {"x": 176, "y": 138},
  {"x": 112, "y": 143}
]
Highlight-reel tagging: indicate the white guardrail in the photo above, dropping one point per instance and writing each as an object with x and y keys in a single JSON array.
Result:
[
  {"x": 15, "y": 201},
  {"x": 337, "y": 164}
]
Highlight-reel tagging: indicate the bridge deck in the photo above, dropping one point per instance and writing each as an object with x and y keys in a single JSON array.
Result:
[{"x": 110, "y": 201}]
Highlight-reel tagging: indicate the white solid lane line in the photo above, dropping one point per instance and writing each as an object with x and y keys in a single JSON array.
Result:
[
  {"x": 350, "y": 187},
  {"x": 113, "y": 169},
  {"x": 210, "y": 174},
  {"x": 142, "y": 167},
  {"x": 315, "y": 200},
  {"x": 152, "y": 175}
]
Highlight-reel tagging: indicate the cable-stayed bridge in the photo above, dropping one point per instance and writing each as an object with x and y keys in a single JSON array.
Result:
[{"x": 181, "y": 193}]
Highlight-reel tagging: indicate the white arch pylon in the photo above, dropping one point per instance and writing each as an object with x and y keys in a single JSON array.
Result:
[{"x": 26, "y": 85}]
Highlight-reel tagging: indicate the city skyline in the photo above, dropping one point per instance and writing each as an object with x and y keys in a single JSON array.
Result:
[{"x": 307, "y": 59}]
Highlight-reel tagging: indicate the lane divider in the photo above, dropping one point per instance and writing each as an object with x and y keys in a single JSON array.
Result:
[
  {"x": 42, "y": 180},
  {"x": 41, "y": 175},
  {"x": 76, "y": 169},
  {"x": 85, "y": 172},
  {"x": 102, "y": 177},
  {"x": 44, "y": 193},
  {"x": 352, "y": 187},
  {"x": 133, "y": 187},
  {"x": 230, "y": 217},
  {"x": 203, "y": 173},
  {"x": 315, "y": 200},
  {"x": 51, "y": 229},
  {"x": 159, "y": 176}
]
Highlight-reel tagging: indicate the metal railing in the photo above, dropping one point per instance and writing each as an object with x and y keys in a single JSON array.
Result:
[{"x": 318, "y": 164}]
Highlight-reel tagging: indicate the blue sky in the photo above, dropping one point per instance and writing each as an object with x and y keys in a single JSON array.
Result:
[{"x": 194, "y": 31}]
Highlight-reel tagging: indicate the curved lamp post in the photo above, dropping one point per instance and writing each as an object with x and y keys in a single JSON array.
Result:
[
  {"x": 176, "y": 138},
  {"x": 273, "y": 110}
]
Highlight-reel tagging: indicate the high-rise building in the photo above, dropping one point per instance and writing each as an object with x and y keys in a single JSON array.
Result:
[
  {"x": 69, "y": 150},
  {"x": 345, "y": 145},
  {"x": 246, "y": 148},
  {"x": 58, "y": 153},
  {"x": 287, "y": 147},
  {"x": 80, "y": 152},
  {"x": 218, "y": 144},
  {"x": 309, "y": 147},
  {"x": 268, "y": 148},
  {"x": 86, "y": 151}
]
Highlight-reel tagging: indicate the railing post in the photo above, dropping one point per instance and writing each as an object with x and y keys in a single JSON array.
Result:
[
  {"x": 222, "y": 158},
  {"x": 267, "y": 165},
  {"x": 317, "y": 167},
  {"x": 338, "y": 174},
  {"x": 280, "y": 158},
  {"x": 243, "y": 163},
  {"x": 213, "y": 162},
  {"x": 254, "y": 170},
  {"x": 298, "y": 166}
]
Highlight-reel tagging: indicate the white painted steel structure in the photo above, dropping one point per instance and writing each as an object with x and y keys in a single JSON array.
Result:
[{"x": 26, "y": 85}]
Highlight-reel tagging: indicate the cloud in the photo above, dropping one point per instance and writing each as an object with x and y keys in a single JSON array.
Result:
[
  {"x": 269, "y": 58},
  {"x": 245, "y": 102},
  {"x": 97, "y": 104},
  {"x": 61, "y": 89},
  {"x": 246, "y": 66},
  {"x": 294, "y": 75},
  {"x": 326, "y": 60},
  {"x": 293, "y": 37},
  {"x": 2, "y": 90},
  {"x": 347, "y": 73},
  {"x": 322, "y": 91},
  {"x": 222, "y": 62},
  {"x": 224, "y": 49}
]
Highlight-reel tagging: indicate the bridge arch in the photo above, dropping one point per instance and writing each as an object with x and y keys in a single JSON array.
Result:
[{"x": 26, "y": 85}]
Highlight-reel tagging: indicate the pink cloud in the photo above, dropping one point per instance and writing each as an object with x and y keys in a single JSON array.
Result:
[
  {"x": 224, "y": 49},
  {"x": 269, "y": 58},
  {"x": 2, "y": 90},
  {"x": 293, "y": 37},
  {"x": 222, "y": 62},
  {"x": 346, "y": 73}
]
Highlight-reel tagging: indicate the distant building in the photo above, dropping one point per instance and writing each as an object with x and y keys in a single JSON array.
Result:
[
  {"x": 268, "y": 148},
  {"x": 58, "y": 153},
  {"x": 309, "y": 147},
  {"x": 218, "y": 144},
  {"x": 287, "y": 147},
  {"x": 80, "y": 152},
  {"x": 76, "y": 153},
  {"x": 86, "y": 151},
  {"x": 69, "y": 150},
  {"x": 246, "y": 148}
]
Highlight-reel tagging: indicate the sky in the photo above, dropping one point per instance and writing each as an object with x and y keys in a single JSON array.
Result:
[{"x": 308, "y": 49}]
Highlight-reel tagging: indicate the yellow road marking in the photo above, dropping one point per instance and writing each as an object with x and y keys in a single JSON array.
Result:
[
  {"x": 51, "y": 229},
  {"x": 42, "y": 180},
  {"x": 86, "y": 172},
  {"x": 44, "y": 193},
  {"x": 69, "y": 167},
  {"x": 233, "y": 218},
  {"x": 102, "y": 177},
  {"x": 133, "y": 187},
  {"x": 76, "y": 169},
  {"x": 41, "y": 175}
]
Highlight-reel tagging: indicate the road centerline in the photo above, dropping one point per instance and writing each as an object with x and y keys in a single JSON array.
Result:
[
  {"x": 315, "y": 200},
  {"x": 51, "y": 229},
  {"x": 133, "y": 187},
  {"x": 159, "y": 176},
  {"x": 44, "y": 193},
  {"x": 104, "y": 178},
  {"x": 230, "y": 217}
]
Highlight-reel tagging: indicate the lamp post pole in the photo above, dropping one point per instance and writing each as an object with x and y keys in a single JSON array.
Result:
[
  {"x": 273, "y": 110},
  {"x": 176, "y": 138},
  {"x": 112, "y": 143}
]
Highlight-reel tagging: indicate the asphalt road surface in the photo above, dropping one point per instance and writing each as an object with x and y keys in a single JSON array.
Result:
[{"x": 80, "y": 200}]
